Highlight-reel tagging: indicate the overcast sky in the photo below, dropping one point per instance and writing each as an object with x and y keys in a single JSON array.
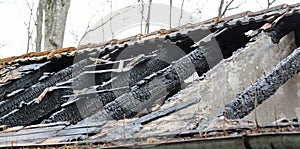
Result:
[{"x": 13, "y": 13}]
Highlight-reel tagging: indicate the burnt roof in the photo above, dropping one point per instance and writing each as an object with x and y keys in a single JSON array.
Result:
[{"x": 124, "y": 91}]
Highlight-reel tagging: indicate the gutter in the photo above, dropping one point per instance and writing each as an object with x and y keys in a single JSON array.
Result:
[
  {"x": 280, "y": 140},
  {"x": 271, "y": 140}
]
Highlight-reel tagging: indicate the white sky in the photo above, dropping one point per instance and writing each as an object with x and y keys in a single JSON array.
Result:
[{"x": 13, "y": 13}]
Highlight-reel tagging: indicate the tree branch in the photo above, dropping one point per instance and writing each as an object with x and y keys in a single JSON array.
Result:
[
  {"x": 105, "y": 22},
  {"x": 111, "y": 30},
  {"x": 142, "y": 13},
  {"x": 28, "y": 26},
  {"x": 226, "y": 8},
  {"x": 181, "y": 10},
  {"x": 220, "y": 8},
  {"x": 148, "y": 18},
  {"x": 170, "y": 17},
  {"x": 39, "y": 26},
  {"x": 236, "y": 7},
  {"x": 270, "y": 3}
]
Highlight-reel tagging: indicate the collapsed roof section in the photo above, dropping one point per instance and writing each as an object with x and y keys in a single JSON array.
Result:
[{"x": 165, "y": 84}]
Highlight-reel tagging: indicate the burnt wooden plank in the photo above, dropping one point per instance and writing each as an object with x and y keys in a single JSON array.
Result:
[
  {"x": 27, "y": 79},
  {"x": 163, "y": 112},
  {"x": 139, "y": 71},
  {"x": 263, "y": 88},
  {"x": 36, "y": 112},
  {"x": 79, "y": 131},
  {"x": 34, "y": 91},
  {"x": 82, "y": 107},
  {"x": 167, "y": 53},
  {"x": 11, "y": 131},
  {"x": 47, "y": 125},
  {"x": 34, "y": 134},
  {"x": 40, "y": 130},
  {"x": 28, "y": 137},
  {"x": 166, "y": 82}
]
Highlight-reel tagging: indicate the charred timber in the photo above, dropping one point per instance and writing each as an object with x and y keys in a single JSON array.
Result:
[
  {"x": 33, "y": 76},
  {"x": 263, "y": 88},
  {"x": 91, "y": 103},
  {"x": 34, "y": 91},
  {"x": 24, "y": 115},
  {"x": 85, "y": 106},
  {"x": 164, "y": 49},
  {"x": 285, "y": 26},
  {"x": 167, "y": 81}
]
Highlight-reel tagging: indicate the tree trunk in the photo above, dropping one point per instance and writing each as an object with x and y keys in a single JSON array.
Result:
[
  {"x": 220, "y": 8},
  {"x": 170, "y": 17},
  {"x": 148, "y": 18},
  {"x": 39, "y": 26},
  {"x": 55, "y": 21},
  {"x": 181, "y": 11}
]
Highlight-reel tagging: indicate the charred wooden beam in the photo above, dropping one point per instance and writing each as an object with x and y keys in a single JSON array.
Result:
[
  {"x": 33, "y": 76},
  {"x": 263, "y": 88},
  {"x": 26, "y": 80},
  {"x": 170, "y": 78},
  {"x": 34, "y": 91},
  {"x": 87, "y": 105},
  {"x": 211, "y": 51},
  {"x": 34, "y": 113},
  {"x": 82, "y": 107},
  {"x": 128, "y": 78},
  {"x": 54, "y": 65},
  {"x": 284, "y": 26},
  {"x": 166, "y": 52},
  {"x": 167, "y": 81},
  {"x": 138, "y": 72},
  {"x": 163, "y": 112}
]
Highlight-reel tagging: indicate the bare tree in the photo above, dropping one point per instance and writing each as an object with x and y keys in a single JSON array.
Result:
[
  {"x": 170, "y": 23},
  {"x": 55, "y": 13},
  {"x": 111, "y": 30},
  {"x": 102, "y": 29},
  {"x": 29, "y": 27},
  {"x": 141, "y": 7},
  {"x": 148, "y": 18},
  {"x": 270, "y": 3},
  {"x": 181, "y": 12},
  {"x": 39, "y": 26},
  {"x": 88, "y": 30},
  {"x": 225, "y": 6},
  {"x": 261, "y": 7}
]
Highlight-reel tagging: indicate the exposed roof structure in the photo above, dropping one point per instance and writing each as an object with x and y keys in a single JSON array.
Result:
[{"x": 223, "y": 82}]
